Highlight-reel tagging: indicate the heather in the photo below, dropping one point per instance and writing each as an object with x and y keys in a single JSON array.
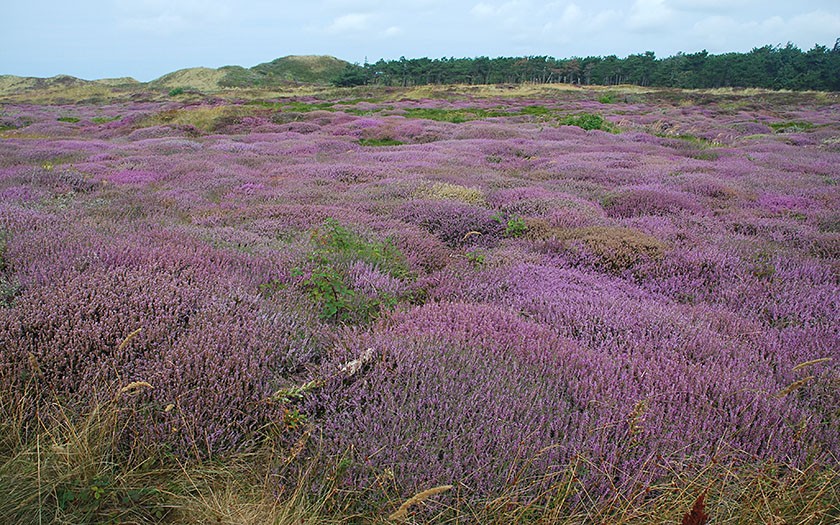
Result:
[{"x": 565, "y": 306}]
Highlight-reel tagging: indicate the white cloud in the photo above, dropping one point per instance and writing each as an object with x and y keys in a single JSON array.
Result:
[
  {"x": 713, "y": 6},
  {"x": 166, "y": 17},
  {"x": 350, "y": 23},
  {"x": 571, "y": 14},
  {"x": 649, "y": 15},
  {"x": 392, "y": 31},
  {"x": 724, "y": 33},
  {"x": 506, "y": 10},
  {"x": 820, "y": 24},
  {"x": 483, "y": 10}
]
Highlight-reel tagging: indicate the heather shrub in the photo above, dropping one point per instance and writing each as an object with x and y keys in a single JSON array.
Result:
[
  {"x": 611, "y": 248},
  {"x": 422, "y": 250},
  {"x": 351, "y": 278},
  {"x": 454, "y": 223},
  {"x": 455, "y": 192},
  {"x": 385, "y": 141},
  {"x": 564, "y": 326},
  {"x": 215, "y": 361},
  {"x": 456, "y": 394},
  {"x": 649, "y": 201},
  {"x": 9, "y": 287}
]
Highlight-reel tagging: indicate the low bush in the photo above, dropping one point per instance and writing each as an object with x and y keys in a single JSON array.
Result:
[
  {"x": 633, "y": 202},
  {"x": 455, "y": 223},
  {"x": 611, "y": 248},
  {"x": 351, "y": 278},
  {"x": 587, "y": 121}
]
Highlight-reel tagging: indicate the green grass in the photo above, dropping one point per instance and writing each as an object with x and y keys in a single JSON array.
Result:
[
  {"x": 791, "y": 126},
  {"x": 456, "y": 116},
  {"x": 68, "y": 119},
  {"x": 380, "y": 142},
  {"x": 305, "y": 107},
  {"x": 587, "y": 121},
  {"x": 324, "y": 277},
  {"x": 104, "y": 120},
  {"x": 537, "y": 111}
]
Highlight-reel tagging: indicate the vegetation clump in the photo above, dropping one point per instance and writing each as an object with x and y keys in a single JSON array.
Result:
[
  {"x": 378, "y": 142},
  {"x": 351, "y": 278},
  {"x": 587, "y": 121},
  {"x": 615, "y": 249}
]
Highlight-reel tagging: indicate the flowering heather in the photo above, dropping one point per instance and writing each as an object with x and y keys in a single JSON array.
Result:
[
  {"x": 452, "y": 222},
  {"x": 516, "y": 297}
]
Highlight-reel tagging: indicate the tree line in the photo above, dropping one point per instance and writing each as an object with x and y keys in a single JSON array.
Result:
[{"x": 771, "y": 67}]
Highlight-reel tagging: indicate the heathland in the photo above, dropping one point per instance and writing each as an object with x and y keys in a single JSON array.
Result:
[{"x": 450, "y": 304}]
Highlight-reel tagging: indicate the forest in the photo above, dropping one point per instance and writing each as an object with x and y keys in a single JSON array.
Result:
[{"x": 771, "y": 67}]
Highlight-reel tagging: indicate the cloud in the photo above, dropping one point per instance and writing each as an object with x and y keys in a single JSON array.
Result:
[
  {"x": 649, "y": 15},
  {"x": 571, "y": 14},
  {"x": 392, "y": 31},
  {"x": 711, "y": 6},
  {"x": 483, "y": 10},
  {"x": 505, "y": 9},
  {"x": 350, "y": 23},
  {"x": 166, "y": 17},
  {"x": 724, "y": 33}
]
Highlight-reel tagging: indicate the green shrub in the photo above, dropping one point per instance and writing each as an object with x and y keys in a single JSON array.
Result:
[
  {"x": 792, "y": 126},
  {"x": 537, "y": 111},
  {"x": 515, "y": 226},
  {"x": 68, "y": 119},
  {"x": 176, "y": 91},
  {"x": 456, "y": 116},
  {"x": 306, "y": 107},
  {"x": 587, "y": 121},
  {"x": 380, "y": 142},
  {"x": 336, "y": 250},
  {"x": 104, "y": 120}
]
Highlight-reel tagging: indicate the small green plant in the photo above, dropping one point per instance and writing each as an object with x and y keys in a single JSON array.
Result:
[
  {"x": 336, "y": 250},
  {"x": 515, "y": 226},
  {"x": 306, "y": 107},
  {"x": 587, "y": 121},
  {"x": 104, "y": 120},
  {"x": 176, "y": 91},
  {"x": 380, "y": 142},
  {"x": 476, "y": 258},
  {"x": 792, "y": 126},
  {"x": 68, "y": 119},
  {"x": 606, "y": 98},
  {"x": 455, "y": 116},
  {"x": 537, "y": 111},
  {"x": 293, "y": 419}
]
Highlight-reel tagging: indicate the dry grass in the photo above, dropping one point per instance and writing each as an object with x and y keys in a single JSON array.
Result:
[
  {"x": 205, "y": 119},
  {"x": 402, "y": 513},
  {"x": 615, "y": 248},
  {"x": 75, "y": 466},
  {"x": 201, "y": 78},
  {"x": 455, "y": 192}
]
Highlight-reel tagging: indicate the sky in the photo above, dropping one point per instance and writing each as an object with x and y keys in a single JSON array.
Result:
[{"x": 145, "y": 39}]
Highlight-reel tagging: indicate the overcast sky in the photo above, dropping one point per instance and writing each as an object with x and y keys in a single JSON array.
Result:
[{"x": 148, "y": 38}]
